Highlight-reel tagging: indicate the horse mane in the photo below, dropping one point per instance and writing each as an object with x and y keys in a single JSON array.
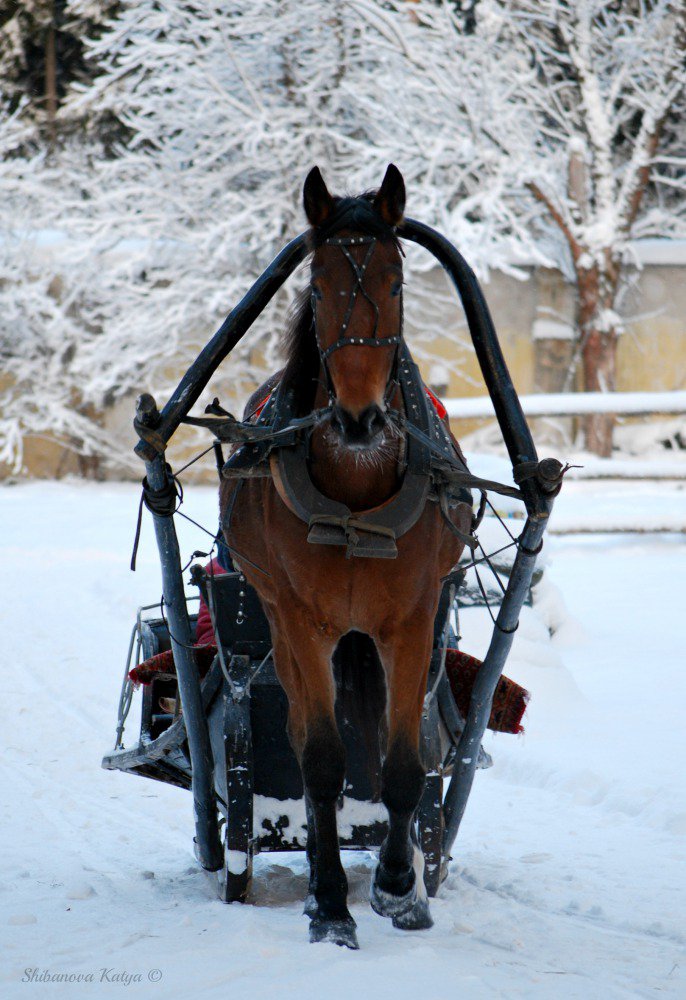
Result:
[
  {"x": 299, "y": 346},
  {"x": 298, "y": 343}
]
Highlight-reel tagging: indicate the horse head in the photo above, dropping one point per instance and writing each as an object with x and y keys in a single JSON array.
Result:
[{"x": 356, "y": 285}]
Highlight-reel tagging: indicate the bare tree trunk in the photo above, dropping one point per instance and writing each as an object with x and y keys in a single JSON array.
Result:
[
  {"x": 51, "y": 79},
  {"x": 598, "y": 346},
  {"x": 599, "y": 370}
]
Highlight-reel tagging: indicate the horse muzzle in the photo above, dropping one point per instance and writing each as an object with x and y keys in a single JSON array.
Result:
[{"x": 359, "y": 432}]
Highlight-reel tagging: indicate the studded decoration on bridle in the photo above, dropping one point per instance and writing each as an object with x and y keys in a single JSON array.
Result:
[{"x": 344, "y": 243}]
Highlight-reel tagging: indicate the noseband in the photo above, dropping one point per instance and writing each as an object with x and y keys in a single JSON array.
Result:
[{"x": 344, "y": 243}]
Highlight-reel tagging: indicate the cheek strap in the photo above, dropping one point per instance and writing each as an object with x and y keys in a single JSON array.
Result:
[{"x": 359, "y": 270}]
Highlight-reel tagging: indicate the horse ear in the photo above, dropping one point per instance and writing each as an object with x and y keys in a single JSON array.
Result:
[
  {"x": 316, "y": 198},
  {"x": 390, "y": 198}
]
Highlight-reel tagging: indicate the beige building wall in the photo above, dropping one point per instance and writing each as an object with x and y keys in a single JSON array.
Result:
[
  {"x": 651, "y": 354},
  {"x": 652, "y": 351}
]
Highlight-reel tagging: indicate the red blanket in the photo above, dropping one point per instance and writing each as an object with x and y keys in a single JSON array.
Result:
[{"x": 509, "y": 701}]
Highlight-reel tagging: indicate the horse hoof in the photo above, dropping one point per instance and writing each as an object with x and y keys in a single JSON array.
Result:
[
  {"x": 340, "y": 932},
  {"x": 386, "y": 904},
  {"x": 310, "y": 907},
  {"x": 417, "y": 918}
]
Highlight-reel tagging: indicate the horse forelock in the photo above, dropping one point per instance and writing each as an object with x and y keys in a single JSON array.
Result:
[{"x": 357, "y": 214}]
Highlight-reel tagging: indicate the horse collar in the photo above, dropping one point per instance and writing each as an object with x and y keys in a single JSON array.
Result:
[
  {"x": 372, "y": 533},
  {"x": 282, "y": 454}
]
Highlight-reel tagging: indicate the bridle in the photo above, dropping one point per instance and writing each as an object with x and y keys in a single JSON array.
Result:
[{"x": 344, "y": 243}]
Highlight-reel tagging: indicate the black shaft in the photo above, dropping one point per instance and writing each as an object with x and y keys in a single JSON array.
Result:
[
  {"x": 537, "y": 492},
  {"x": 467, "y": 755},
  {"x": 496, "y": 375},
  {"x": 508, "y": 410},
  {"x": 210, "y": 852},
  {"x": 538, "y": 497}
]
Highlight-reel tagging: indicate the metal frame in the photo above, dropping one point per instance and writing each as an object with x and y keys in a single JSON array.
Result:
[
  {"x": 133, "y": 658},
  {"x": 538, "y": 491}
]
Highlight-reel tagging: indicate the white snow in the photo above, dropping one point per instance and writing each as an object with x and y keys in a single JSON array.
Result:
[
  {"x": 550, "y": 329},
  {"x": 660, "y": 251},
  {"x": 567, "y": 880},
  {"x": 237, "y": 862},
  {"x": 604, "y": 495},
  {"x": 574, "y": 403},
  {"x": 593, "y": 467}
]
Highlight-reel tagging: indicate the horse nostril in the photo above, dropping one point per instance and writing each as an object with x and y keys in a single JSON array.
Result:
[
  {"x": 339, "y": 419},
  {"x": 373, "y": 420}
]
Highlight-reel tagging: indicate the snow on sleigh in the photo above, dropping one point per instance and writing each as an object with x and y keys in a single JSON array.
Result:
[{"x": 218, "y": 727}]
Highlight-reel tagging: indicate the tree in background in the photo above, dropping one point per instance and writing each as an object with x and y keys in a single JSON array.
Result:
[
  {"x": 44, "y": 332},
  {"x": 42, "y": 53},
  {"x": 575, "y": 142},
  {"x": 226, "y": 108}
]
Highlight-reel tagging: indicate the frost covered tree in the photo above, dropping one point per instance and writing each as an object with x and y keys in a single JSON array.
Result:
[
  {"x": 226, "y": 106},
  {"x": 29, "y": 41},
  {"x": 575, "y": 141},
  {"x": 119, "y": 261},
  {"x": 42, "y": 52},
  {"x": 617, "y": 73},
  {"x": 549, "y": 132},
  {"x": 44, "y": 331},
  {"x": 47, "y": 335}
]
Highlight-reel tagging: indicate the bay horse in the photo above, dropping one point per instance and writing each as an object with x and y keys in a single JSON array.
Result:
[{"x": 376, "y": 614}]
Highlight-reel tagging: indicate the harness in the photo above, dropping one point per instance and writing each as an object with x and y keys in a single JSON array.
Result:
[
  {"x": 359, "y": 271},
  {"x": 371, "y": 533},
  {"x": 277, "y": 442},
  {"x": 277, "y": 445}
]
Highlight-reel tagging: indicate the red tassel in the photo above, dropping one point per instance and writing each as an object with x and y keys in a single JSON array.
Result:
[{"x": 438, "y": 405}]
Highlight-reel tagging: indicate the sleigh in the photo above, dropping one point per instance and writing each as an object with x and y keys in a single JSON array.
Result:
[
  {"x": 225, "y": 739},
  {"x": 256, "y": 778}
]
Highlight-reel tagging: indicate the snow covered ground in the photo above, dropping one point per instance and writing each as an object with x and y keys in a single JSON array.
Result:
[{"x": 568, "y": 875}]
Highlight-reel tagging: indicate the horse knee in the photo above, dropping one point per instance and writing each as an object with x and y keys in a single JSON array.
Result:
[
  {"x": 323, "y": 764},
  {"x": 402, "y": 779}
]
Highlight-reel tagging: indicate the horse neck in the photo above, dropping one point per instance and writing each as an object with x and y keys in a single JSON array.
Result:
[{"x": 359, "y": 479}]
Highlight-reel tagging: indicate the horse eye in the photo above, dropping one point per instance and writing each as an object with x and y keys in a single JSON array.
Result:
[
  {"x": 316, "y": 293},
  {"x": 396, "y": 288}
]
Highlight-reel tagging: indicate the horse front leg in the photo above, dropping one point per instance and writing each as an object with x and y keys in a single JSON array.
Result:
[
  {"x": 323, "y": 768},
  {"x": 398, "y": 889},
  {"x": 320, "y": 751}
]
